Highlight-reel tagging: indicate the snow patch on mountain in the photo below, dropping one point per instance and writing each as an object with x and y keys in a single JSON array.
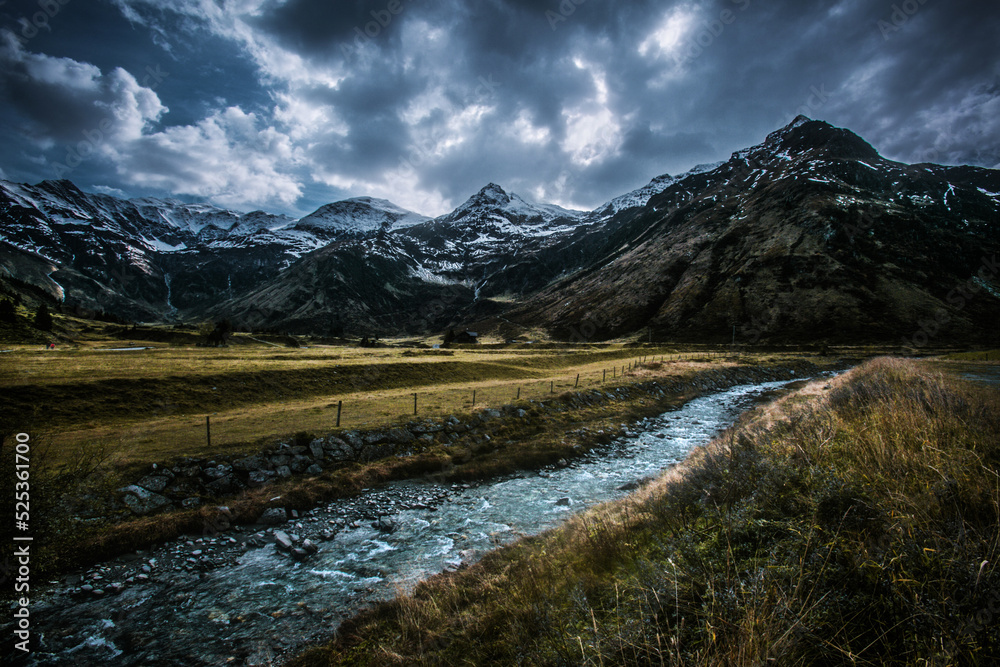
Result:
[{"x": 641, "y": 196}]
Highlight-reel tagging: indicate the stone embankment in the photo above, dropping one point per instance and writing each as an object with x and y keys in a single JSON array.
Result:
[{"x": 190, "y": 482}]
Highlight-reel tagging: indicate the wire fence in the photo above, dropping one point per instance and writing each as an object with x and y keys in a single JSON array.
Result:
[
  {"x": 362, "y": 409},
  {"x": 366, "y": 410}
]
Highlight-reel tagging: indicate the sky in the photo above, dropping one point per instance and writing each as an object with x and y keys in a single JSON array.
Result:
[{"x": 286, "y": 105}]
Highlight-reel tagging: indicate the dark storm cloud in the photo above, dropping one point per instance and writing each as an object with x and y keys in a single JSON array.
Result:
[{"x": 572, "y": 100}]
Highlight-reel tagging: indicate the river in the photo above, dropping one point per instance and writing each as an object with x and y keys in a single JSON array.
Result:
[{"x": 233, "y": 597}]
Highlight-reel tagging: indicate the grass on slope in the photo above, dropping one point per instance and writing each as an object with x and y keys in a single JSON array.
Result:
[
  {"x": 854, "y": 526},
  {"x": 150, "y": 406}
]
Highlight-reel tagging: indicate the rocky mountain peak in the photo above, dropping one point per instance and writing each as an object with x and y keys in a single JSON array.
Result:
[{"x": 491, "y": 195}]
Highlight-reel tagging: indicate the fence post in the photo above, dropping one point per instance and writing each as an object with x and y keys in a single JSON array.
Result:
[
  {"x": 605, "y": 377},
  {"x": 473, "y": 398},
  {"x": 552, "y": 386},
  {"x": 414, "y": 403},
  {"x": 577, "y": 381},
  {"x": 340, "y": 406},
  {"x": 518, "y": 394},
  {"x": 208, "y": 430}
]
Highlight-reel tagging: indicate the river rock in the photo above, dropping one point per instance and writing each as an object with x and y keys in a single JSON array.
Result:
[
  {"x": 273, "y": 516},
  {"x": 354, "y": 440},
  {"x": 300, "y": 463},
  {"x": 299, "y": 554},
  {"x": 489, "y": 415},
  {"x": 218, "y": 472},
  {"x": 334, "y": 444},
  {"x": 282, "y": 540},
  {"x": 309, "y": 546},
  {"x": 400, "y": 436},
  {"x": 250, "y": 464},
  {"x": 564, "y": 502},
  {"x": 155, "y": 483},
  {"x": 223, "y": 485},
  {"x": 142, "y": 501},
  {"x": 260, "y": 478},
  {"x": 375, "y": 438},
  {"x": 316, "y": 449}
]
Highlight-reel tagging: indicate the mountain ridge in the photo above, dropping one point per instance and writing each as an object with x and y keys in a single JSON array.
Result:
[{"x": 654, "y": 258}]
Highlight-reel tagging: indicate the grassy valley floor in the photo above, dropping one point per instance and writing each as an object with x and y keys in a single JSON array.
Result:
[
  {"x": 852, "y": 523},
  {"x": 75, "y": 478}
]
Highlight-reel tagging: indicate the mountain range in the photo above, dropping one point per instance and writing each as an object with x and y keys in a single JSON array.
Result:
[{"x": 810, "y": 235}]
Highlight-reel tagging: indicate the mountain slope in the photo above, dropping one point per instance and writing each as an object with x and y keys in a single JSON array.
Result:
[{"x": 808, "y": 236}]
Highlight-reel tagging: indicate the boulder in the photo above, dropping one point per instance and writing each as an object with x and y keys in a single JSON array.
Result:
[
  {"x": 279, "y": 461},
  {"x": 354, "y": 440},
  {"x": 489, "y": 415},
  {"x": 142, "y": 501},
  {"x": 375, "y": 438},
  {"x": 283, "y": 472},
  {"x": 273, "y": 516},
  {"x": 217, "y": 472},
  {"x": 335, "y": 444},
  {"x": 400, "y": 436},
  {"x": 154, "y": 483},
  {"x": 309, "y": 546},
  {"x": 314, "y": 470},
  {"x": 299, "y": 463},
  {"x": 282, "y": 540},
  {"x": 250, "y": 464},
  {"x": 385, "y": 525},
  {"x": 316, "y": 449},
  {"x": 223, "y": 485},
  {"x": 259, "y": 478}
]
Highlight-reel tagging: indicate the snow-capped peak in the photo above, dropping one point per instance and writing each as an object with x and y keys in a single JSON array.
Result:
[
  {"x": 359, "y": 215},
  {"x": 494, "y": 202}
]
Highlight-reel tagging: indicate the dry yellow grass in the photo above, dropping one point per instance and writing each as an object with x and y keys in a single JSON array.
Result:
[{"x": 150, "y": 406}]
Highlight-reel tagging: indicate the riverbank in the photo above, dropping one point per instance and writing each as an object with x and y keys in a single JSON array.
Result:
[
  {"x": 85, "y": 506},
  {"x": 246, "y": 594},
  {"x": 852, "y": 523}
]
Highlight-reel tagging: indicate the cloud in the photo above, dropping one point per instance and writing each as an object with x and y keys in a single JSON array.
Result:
[
  {"x": 230, "y": 158},
  {"x": 65, "y": 101},
  {"x": 79, "y": 115},
  {"x": 108, "y": 190},
  {"x": 423, "y": 103}
]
